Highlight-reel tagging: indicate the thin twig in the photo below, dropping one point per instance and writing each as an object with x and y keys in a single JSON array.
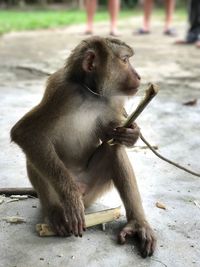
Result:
[
  {"x": 33, "y": 69},
  {"x": 167, "y": 160},
  {"x": 159, "y": 262}
]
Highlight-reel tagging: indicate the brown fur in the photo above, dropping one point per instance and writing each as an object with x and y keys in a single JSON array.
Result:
[{"x": 69, "y": 162}]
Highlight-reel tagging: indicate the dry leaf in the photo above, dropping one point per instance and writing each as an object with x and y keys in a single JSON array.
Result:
[
  {"x": 190, "y": 103},
  {"x": 14, "y": 219},
  {"x": 196, "y": 203},
  {"x": 160, "y": 205}
]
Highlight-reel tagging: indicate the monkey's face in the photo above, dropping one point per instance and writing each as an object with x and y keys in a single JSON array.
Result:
[
  {"x": 130, "y": 78},
  {"x": 103, "y": 65},
  {"x": 125, "y": 79}
]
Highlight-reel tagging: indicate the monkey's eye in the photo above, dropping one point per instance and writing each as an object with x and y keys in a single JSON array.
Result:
[{"x": 125, "y": 60}]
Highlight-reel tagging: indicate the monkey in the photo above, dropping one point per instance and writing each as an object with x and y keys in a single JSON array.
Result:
[{"x": 65, "y": 137}]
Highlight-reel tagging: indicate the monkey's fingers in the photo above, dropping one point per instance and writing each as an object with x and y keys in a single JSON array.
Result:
[
  {"x": 60, "y": 227},
  {"x": 126, "y": 132},
  {"x": 128, "y": 141},
  {"x": 148, "y": 242},
  {"x": 77, "y": 223},
  {"x": 81, "y": 225},
  {"x": 75, "y": 226},
  {"x": 127, "y": 231}
]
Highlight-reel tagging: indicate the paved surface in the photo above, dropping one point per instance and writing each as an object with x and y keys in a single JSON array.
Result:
[{"x": 173, "y": 127}]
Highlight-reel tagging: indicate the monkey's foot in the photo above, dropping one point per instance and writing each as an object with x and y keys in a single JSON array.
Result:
[
  {"x": 145, "y": 234},
  {"x": 57, "y": 221}
]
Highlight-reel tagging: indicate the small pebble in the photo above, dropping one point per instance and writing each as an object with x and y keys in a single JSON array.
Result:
[
  {"x": 72, "y": 257},
  {"x": 59, "y": 256},
  {"x": 42, "y": 259}
]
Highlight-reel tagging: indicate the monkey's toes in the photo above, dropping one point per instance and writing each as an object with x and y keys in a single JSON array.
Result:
[
  {"x": 146, "y": 237},
  {"x": 148, "y": 243}
]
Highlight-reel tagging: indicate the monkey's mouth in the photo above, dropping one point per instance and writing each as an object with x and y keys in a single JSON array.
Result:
[{"x": 132, "y": 90}]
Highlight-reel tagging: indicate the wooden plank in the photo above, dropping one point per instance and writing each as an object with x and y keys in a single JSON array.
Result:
[{"x": 91, "y": 219}]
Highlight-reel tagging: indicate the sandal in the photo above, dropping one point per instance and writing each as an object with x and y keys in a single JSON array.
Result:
[
  {"x": 88, "y": 32},
  {"x": 170, "y": 32},
  {"x": 143, "y": 32},
  {"x": 114, "y": 34}
]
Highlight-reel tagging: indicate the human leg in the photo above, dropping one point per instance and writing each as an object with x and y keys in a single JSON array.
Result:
[
  {"x": 113, "y": 7},
  {"x": 193, "y": 34},
  {"x": 148, "y": 6},
  {"x": 90, "y": 6},
  {"x": 169, "y": 9}
]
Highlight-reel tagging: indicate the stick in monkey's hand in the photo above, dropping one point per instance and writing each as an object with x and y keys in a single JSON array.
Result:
[{"x": 150, "y": 93}]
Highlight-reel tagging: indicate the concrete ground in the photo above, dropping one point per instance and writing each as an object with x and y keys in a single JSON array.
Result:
[{"x": 167, "y": 123}]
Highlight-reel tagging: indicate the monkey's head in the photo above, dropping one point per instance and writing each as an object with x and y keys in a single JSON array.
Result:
[{"x": 102, "y": 64}]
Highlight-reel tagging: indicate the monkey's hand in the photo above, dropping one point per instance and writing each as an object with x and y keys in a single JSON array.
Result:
[
  {"x": 125, "y": 136},
  {"x": 74, "y": 213},
  {"x": 68, "y": 218},
  {"x": 144, "y": 232}
]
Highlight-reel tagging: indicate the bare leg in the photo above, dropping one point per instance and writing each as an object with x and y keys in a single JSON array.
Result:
[
  {"x": 169, "y": 7},
  {"x": 113, "y": 7},
  {"x": 90, "y": 6},
  {"x": 198, "y": 44},
  {"x": 112, "y": 162},
  {"x": 148, "y": 6}
]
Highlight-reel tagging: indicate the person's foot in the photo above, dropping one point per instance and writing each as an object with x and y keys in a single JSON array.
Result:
[
  {"x": 182, "y": 42},
  {"x": 114, "y": 33},
  {"x": 170, "y": 32},
  {"x": 143, "y": 31},
  {"x": 88, "y": 32},
  {"x": 191, "y": 38},
  {"x": 198, "y": 44}
]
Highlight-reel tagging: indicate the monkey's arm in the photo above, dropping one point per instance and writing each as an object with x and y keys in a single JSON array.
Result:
[
  {"x": 42, "y": 155},
  {"x": 41, "y": 152}
]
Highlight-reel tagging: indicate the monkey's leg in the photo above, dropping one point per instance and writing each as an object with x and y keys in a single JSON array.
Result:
[
  {"x": 52, "y": 208},
  {"x": 125, "y": 182},
  {"x": 112, "y": 162}
]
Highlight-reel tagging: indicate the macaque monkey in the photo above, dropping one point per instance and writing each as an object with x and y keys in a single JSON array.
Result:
[{"x": 69, "y": 162}]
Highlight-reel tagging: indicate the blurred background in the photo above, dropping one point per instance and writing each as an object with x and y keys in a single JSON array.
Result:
[{"x": 36, "y": 14}]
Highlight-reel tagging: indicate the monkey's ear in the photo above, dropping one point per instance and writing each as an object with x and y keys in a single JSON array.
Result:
[{"x": 89, "y": 61}]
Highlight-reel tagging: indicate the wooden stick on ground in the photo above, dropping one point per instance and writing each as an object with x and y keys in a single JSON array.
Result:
[
  {"x": 91, "y": 219},
  {"x": 18, "y": 191}
]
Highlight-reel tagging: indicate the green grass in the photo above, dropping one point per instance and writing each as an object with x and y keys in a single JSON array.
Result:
[{"x": 14, "y": 20}]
